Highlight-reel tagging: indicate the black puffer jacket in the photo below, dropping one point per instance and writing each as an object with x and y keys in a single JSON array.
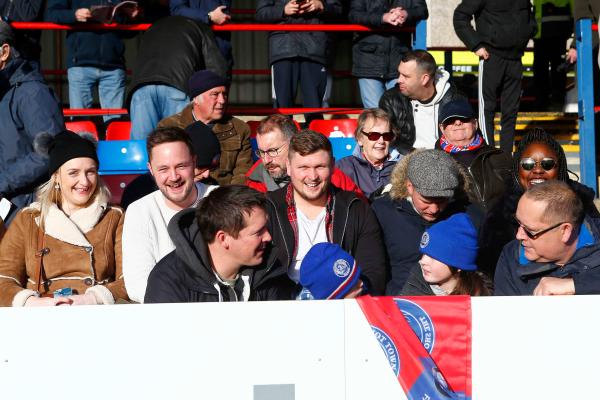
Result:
[
  {"x": 502, "y": 27},
  {"x": 490, "y": 170},
  {"x": 315, "y": 46},
  {"x": 185, "y": 275},
  {"x": 172, "y": 50},
  {"x": 400, "y": 111},
  {"x": 378, "y": 55}
]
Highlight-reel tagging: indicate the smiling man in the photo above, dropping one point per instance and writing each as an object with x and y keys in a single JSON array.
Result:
[
  {"x": 489, "y": 168},
  {"x": 219, "y": 252},
  {"x": 310, "y": 210},
  {"x": 557, "y": 249},
  {"x": 270, "y": 171},
  {"x": 173, "y": 163},
  {"x": 209, "y": 92}
]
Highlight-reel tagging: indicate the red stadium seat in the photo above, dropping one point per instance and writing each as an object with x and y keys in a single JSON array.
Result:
[
  {"x": 116, "y": 184},
  {"x": 335, "y": 127},
  {"x": 82, "y": 126},
  {"x": 118, "y": 130}
]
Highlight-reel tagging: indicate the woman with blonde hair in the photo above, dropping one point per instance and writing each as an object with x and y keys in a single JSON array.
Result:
[{"x": 65, "y": 248}]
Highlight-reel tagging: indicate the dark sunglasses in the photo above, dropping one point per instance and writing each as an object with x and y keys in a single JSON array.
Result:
[
  {"x": 374, "y": 136},
  {"x": 546, "y": 163},
  {"x": 535, "y": 235}
]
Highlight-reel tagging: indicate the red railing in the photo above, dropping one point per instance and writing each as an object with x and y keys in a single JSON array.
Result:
[{"x": 231, "y": 110}]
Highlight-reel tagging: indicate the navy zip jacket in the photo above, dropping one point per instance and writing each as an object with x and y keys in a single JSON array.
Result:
[
  {"x": 29, "y": 115},
  {"x": 100, "y": 49},
  {"x": 517, "y": 276}
]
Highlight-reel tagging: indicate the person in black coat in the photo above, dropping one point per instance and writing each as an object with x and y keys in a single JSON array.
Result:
[
  {"x": 221, "y": 253},
  {"x": 299, "y": 56},
  {"x": 376, "y": 56},
  {"x": 500, "y": 227},
  {"x": 427, "y": 186},
  {"x": 502, "y": 31},
  {"x": 169, "y": 54}
]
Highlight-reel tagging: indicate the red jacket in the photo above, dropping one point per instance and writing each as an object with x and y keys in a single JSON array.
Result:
[{"x": 255, "y": 178}]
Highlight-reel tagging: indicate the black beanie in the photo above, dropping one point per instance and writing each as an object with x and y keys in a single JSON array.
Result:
[
  {"x": 206, "y": 145},
  {"x": 204, "y": 80},
  {"x": 66, "y": 146}
]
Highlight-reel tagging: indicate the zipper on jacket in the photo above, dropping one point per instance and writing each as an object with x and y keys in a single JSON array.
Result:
[{"x": 479, "y": 196}]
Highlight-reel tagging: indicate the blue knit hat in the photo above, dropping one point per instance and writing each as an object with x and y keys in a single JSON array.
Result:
[
  {"x": 328, "y": 272},
  {"x": 453, "y": 242}
]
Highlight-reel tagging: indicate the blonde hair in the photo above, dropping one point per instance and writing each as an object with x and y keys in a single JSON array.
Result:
[{"x": 47, "y": 194}]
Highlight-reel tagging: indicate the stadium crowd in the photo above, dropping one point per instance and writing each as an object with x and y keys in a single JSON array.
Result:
[{"x": 425, "y": 205}]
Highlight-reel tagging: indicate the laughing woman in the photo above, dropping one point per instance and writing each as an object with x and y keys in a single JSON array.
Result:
[{"x": 65, "y": 249}]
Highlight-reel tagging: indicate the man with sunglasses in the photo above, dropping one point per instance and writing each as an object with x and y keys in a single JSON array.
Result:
[
  {"x": 177, "y": 160},
  {"x": 488, "y": 167},
  {"x": 557, "y": 248},
  {"x": 373, "y": 160},
  {"x": 269, "y": 173}
]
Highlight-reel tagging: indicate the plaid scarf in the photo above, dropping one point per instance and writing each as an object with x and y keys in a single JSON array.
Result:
[
  {"x": 293, "y": 218},
  {"x": 450, "y": 148}
]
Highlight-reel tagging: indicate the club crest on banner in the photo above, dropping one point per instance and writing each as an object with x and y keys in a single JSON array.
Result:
[
  {"x": 419, "y": 321},
  {"x": 389, "y": 348}
]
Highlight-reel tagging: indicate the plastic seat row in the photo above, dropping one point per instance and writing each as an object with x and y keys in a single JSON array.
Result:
[{"x": 120, "y": 130}]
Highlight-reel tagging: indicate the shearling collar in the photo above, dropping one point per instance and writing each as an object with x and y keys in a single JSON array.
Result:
[{"x": 72, "y": 229}]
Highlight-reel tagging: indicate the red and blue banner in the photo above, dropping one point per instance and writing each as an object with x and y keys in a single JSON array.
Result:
[{"x": 427, "y": 341}]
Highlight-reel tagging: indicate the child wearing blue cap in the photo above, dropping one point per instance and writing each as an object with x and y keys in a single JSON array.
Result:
[
  {"x": 448, "y": 265},
  {"x": 328, "y": 272}
]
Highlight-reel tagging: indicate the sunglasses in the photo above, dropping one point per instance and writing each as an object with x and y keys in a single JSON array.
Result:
[
  {"x": 546, "y": 163},
  {"x": 374, "y": 136},
  {"x": 535, "y": 235}
]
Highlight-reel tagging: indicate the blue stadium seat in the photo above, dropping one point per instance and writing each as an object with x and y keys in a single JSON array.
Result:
[
  {"x": 122, "y": 157},
  {"x": 342, "y": 147}
]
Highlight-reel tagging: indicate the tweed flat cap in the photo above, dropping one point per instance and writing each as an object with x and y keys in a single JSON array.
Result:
[{"x": 433, "y": 173}]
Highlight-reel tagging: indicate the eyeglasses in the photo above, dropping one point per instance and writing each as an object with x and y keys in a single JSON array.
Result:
[
  {"x": 535, "y": 235},
  {"x": 546, "y": 163},
  {"x": 374, "y": 136},
  {"x": 270, "y": 152}
]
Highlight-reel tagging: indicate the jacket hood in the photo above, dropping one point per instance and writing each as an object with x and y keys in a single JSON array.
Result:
[
  {"x": 19, "y": 71},
  {"x": 399, "y": 177},
  {"x": 191, "y": 249},
  {"x": 442, "y": 85}
]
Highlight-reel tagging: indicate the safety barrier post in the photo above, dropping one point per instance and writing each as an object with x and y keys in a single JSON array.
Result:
[
  {"x": 420, "y": 36},
  {"x": 585, "y": 89}
]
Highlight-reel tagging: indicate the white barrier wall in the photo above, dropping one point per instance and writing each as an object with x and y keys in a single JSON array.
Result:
[{"x": 523, "y": 348}]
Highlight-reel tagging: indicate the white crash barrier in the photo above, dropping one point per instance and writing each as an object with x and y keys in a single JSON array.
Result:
[{"x": 523, "y": 348}]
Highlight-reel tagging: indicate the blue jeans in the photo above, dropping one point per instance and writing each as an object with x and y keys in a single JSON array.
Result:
[
  {"x": 110, "y": 83},
  {"x": 372, "y": 89},
  {"x": 150, "y": 104}
]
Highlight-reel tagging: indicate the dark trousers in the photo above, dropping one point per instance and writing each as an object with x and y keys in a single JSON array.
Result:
[
  {"x": 549, "y": 82},
  {"x": 312, "y": 77},
  {"x": 499, "y": 77}
]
